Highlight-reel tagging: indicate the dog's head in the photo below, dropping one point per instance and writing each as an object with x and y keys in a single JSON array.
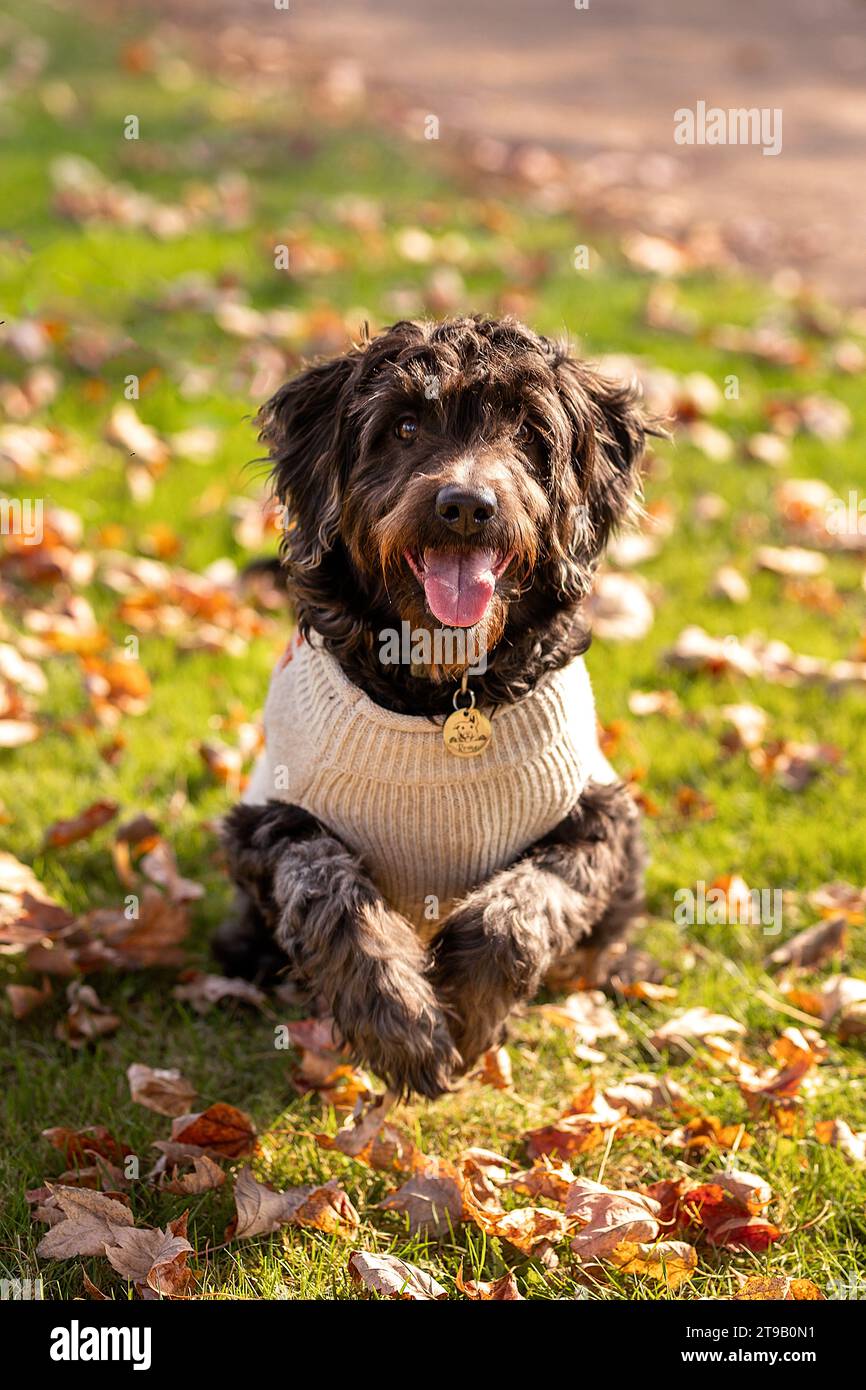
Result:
[{"x": 463, "y": 474}]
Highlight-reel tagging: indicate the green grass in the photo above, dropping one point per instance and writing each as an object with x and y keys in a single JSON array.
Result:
[{"x": 105, "y": 278}]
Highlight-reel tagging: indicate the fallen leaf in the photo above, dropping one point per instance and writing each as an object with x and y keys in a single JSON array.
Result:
[
  {"x": 778, "y": 1288},
  {"x": 813, "y": 946},
  {"x": 395, "y": 1278},
  {"x": 725, "y": 1219},
  {"x": 329, "y": 1209},
  {"x": 160, "y": 865},
  {"x": 501, "y": 1290},
  {"x": 203, "y": 991},
  {"x": 77, "y": 1144},
  {"x": 205, "y": 1176},
  {"x": 644, "y": 1092},
  {"x": 694, "y": 1024},
  {"x": 260, "y": 1209},
  {"x": 221, "y": 1129},
  {"x": 791, "y": 561},
  {"x": 91, "y": 1221},
  {"x": 619, "y": 607},
  {"x": 432, "y": 1205},
  {"x": 165, "y": 1091},
  {"x": 609, "y": 1216},
  {"x": 87, "y": 1018},
  {"x": 27, "y": 912},
  {"x": 545, "y": 1180},
  {"x": 495, "y": 1069},
  {"x": 586, "y": 1015},
  {"x": 707, "y": 1132},
  {"x": 80, "y": 827},
  {"x": 839, "y": 1135},
  {"x": 669, "y": 1262},
  {"x": 152, "y": 1258},
  {"x": 24, "y": 999}
]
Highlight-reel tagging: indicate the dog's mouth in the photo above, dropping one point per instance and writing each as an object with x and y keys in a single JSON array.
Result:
[{"x": 458, "y": 586}]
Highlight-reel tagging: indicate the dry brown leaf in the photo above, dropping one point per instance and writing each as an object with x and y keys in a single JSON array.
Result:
[
  {"x": 643, "y": 1093},
  {"x": 16, "y": 733},
  {"x": 260, "y": 1209},
  {"x": 328, "y": 1208},
  {"x": 790, "y": 561},
  {"x": 432, "y": 1204},
  {"x": 694, "y": 1024},
  {"x": 23, "y": 999},
  {"x": 586, "y": 1015},
  {"x": 165, "y": 1091},
  {"x": 501, "y": 1290},
  {"x": 160, "y": 866},
  {"x": 620, "y": 607},
  {"x": 80, "y": 827},
  {"x": 206, "y": 1175},
  {"x": 91, "y": 1221},
  {"x": 87, "y": 1018},
  {"x": 153, "y": 1259},
  {"x": 843, "y": 1003},
  {"x": 753, "y": 1192},
  {"x": 203, "y": 991},
  {"x": 78, "y": 1144},
  {"x": 609, "y": 1216},
  {"x": 481, "y": 1173},
  {"x": 777, "y": 1287},
  {"x": 394, "y": 1278},
  {"x": 670, "y": 1262},
  {"x": 355, "y": 1137},
  {"x": 528, "y": 1229},
  {"x": 154, "y": 937},
  {"x": 221, "y": 1130},
  {"x": 546, "y": 1180},
  {"x": 495, "y": 1069},
  {"x": 721, "y": 1216},
  {"x": 813, "y": 946},
  {"x": 27, "y": 912},
  {"x": 706, "y": 1132},
  {"x": 797, "y": 1052},
  {"x": 839, "y": 1134}
]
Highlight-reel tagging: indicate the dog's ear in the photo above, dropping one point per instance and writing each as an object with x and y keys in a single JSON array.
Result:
[
  {"x": 608, "y": 431},
  {"x": 304, "y": 428}
]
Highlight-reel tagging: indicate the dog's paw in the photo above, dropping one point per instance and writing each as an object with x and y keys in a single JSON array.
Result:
[{"x": 412, "y": 1054}]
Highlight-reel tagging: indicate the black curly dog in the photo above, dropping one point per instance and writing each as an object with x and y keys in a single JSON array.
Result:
[{"x": 362, "y": 449}]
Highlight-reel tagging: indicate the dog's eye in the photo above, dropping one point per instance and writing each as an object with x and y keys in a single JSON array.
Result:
[
  {"x": 525, "y": 433},
  {"x": 406, "y": 429}
]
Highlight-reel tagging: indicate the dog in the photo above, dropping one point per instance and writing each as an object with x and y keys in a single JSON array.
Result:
[{"x": 461, "y": 477}]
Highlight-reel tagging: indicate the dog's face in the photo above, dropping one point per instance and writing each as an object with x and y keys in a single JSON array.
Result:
[{"x": 465, "y": 474}]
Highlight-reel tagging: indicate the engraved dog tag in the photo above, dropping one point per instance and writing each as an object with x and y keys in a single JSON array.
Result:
[{"x": 467, "y": 732}]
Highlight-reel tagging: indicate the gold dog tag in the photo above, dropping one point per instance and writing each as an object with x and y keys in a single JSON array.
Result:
[{"x": 467, "y": 731}]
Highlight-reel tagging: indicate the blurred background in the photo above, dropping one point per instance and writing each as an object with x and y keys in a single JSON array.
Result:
[{"x": 601, "y": 84}]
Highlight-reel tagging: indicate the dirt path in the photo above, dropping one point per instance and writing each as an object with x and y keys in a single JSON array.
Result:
[{"x": 607, "y": 80}]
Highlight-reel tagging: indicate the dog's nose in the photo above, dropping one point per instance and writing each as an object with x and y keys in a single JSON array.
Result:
[{"x": 465, "y": 510}]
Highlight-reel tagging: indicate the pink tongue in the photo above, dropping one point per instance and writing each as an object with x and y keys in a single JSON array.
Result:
[{"x": 459, "y": 587}]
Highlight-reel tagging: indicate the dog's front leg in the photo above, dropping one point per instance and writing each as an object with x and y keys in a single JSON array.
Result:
[
  {"x": 579, "y": 884},
  {"x": 344, "y": 943}
]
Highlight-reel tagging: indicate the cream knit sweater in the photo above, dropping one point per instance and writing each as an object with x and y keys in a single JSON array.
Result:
[{"x": 430, "y": 826}]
